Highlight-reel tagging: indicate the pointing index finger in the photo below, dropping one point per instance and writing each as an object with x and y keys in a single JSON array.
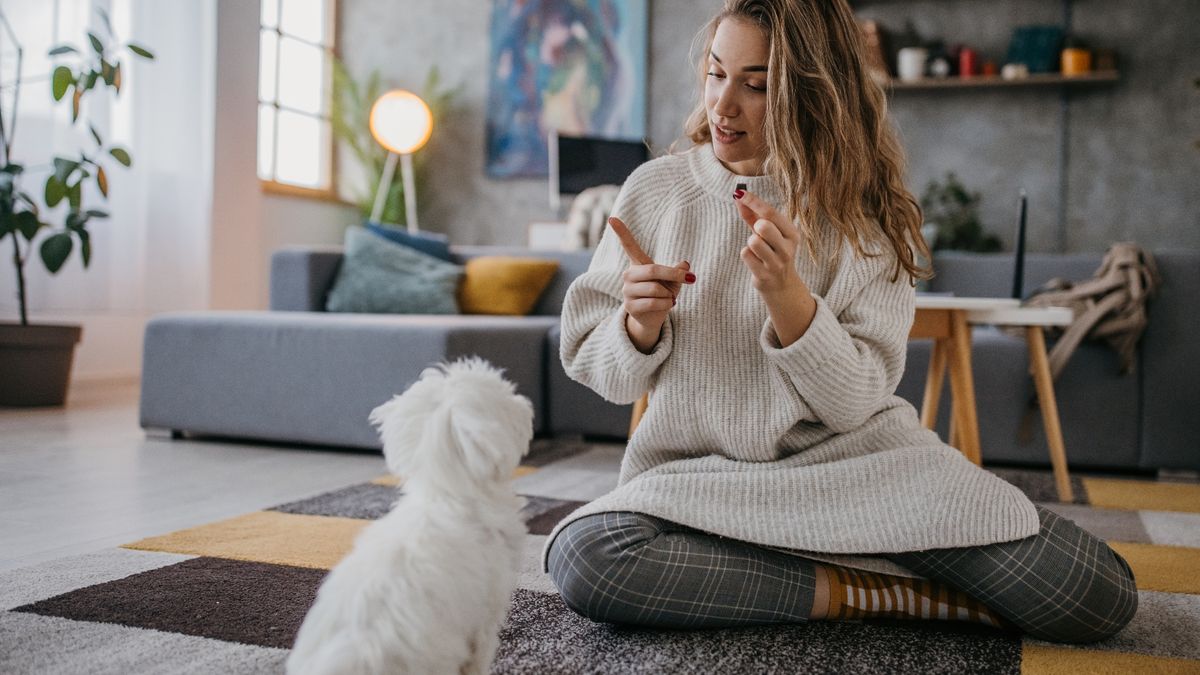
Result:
[{"x": 628, "y": 243}]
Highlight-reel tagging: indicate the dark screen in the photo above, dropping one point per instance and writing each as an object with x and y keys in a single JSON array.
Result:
[{"x": 587, "y": 162}]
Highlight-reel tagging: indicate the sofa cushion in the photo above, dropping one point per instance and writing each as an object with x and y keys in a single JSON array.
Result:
[
  {"x": 380, "y": 276},
  {"x": 503, "y": 284},
  {"x": 1169, "y": 366},
  {"x": 429, "y": 243},
  {"x": 570, "y": 265},
  {"x": 312, "y": 377}
]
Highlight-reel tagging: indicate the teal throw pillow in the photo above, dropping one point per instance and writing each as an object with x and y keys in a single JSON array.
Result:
[{"x": 378, "y": 276}]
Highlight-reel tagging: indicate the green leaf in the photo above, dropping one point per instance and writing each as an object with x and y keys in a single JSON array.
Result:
[
  {"x": 61, "y": 79},
  {"x": 27, "y": 223},
  {"x": 75, "y": 219},
  {"x": 140, "y": 51},
  {"x": 96, "y": 43},
  {"x": 104, "y": 17},
  {"x": 63, "y": 168},
  {"x": 91, "y": 80},
  {"x": 106, "y": 72},
  {"x": 24, "y": 196},
  {"x": 55, "y": 250},
  {"x": 121, "y": 155},
  {"x": 62, "y": 49},
  {"x": 75, "y": 194},
  {"x": 97, "y": 213},
  {"x": 85, "y": 246},
  {"x": 95, "y": 135},
  {"x": 55, "y": 191}
]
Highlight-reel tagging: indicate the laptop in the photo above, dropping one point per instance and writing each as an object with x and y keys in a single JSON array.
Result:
[{"x": 1019, "y": 253}]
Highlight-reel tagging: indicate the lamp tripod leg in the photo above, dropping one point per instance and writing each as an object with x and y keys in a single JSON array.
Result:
[
  {"x": 385, "y": 183},
  {"x": 410, "y": 192}
]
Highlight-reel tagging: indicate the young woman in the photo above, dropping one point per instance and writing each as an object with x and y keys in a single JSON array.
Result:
[{"x": 761, "y": 289}]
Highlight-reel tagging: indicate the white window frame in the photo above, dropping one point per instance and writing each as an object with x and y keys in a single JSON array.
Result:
[{"x": 328, "y": 191}]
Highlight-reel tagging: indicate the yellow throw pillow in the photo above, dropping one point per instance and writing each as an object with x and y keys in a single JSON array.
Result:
[{"x": 503, "y": 284}]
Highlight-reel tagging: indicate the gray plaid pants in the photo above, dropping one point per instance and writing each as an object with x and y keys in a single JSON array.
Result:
[{"x": 1062, "y": 584}]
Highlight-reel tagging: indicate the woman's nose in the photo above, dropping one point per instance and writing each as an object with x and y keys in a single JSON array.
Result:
[{"x": 726, "y": 105}]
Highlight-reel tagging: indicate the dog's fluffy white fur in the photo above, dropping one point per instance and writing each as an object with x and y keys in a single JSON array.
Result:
[{"x": 427, "y": 587}]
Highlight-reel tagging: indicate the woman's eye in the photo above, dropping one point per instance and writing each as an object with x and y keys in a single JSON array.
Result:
[
  {"x": 719, "y": 76},
  {"x": 756, "y": 87}
]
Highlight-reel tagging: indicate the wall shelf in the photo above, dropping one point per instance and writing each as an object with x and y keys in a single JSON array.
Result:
[{"x": 995, "y": 81}]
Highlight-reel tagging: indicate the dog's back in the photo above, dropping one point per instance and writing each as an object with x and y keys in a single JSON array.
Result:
[{"x": 427, "y": 587}]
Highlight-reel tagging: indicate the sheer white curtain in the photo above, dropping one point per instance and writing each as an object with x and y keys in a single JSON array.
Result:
[{"x": 152, "y": 252}]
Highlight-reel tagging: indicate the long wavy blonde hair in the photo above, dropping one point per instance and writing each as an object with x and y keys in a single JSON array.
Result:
[{"x": 827, "y": 132}]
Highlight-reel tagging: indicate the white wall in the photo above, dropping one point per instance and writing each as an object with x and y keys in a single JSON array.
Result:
[
  {"x": 248, "y": 225},
  {"x": 192, "y": 229}
]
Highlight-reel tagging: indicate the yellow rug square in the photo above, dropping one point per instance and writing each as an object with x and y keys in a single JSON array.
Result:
[
  {"x": 318, "y": 542},
  {"x": 1171, "y": 569},
  {"x": 1043, "y": 660},
  {"x": 1133, "y": 495}
]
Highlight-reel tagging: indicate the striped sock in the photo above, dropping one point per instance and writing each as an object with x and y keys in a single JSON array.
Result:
[{"x": 855, "y": 594}]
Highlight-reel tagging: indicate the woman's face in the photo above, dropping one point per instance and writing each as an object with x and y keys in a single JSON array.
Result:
[{"x": 735, "y": 95}]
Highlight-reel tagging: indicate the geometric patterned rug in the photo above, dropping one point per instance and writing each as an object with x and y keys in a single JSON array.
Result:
[{"x": 229, "y": 596}]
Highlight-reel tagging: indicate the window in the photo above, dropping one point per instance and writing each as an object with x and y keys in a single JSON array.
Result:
[{"x": 295, "y": 143}]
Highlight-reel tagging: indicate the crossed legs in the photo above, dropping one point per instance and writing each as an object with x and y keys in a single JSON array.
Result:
[{"x": 1062, "y": 584}]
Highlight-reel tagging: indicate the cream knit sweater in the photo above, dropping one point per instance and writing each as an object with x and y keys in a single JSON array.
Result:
[{"x": 804, "y": 448}]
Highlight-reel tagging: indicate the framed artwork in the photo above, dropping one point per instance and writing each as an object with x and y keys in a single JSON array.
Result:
[{"x": 575, "y": 66}]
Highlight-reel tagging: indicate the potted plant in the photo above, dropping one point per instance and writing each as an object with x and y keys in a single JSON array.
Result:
[
  {"x": 351, "y": 113},
  {"x": 35, "y": 359},
  {"x": 952, "y": 218}
]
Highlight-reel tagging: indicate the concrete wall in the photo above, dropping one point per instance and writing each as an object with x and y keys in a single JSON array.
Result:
[{"x": 1100, "y": 164}]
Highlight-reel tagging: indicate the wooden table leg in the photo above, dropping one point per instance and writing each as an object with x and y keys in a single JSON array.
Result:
[
  {"x": 933, "y": 383},
  {"x": 962, "y": 384},
  {"x": 639, "y": 409},
  {"x": 1039, "y": 367}
]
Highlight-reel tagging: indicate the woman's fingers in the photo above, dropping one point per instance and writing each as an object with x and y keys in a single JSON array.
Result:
[
  {"x": 632, "y": 249},
  {"x": 654, "y": 272},
  {"x": 649, "y": 289},
  {"x": 761, "y": 209},
  {"x": 764, "y": 252}
]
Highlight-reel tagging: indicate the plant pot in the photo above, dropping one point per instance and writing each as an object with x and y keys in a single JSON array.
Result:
[{"x": 35, "y": 363}]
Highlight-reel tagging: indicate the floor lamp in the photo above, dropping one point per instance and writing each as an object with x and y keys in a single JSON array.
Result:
[{"x": 400, "y": 122}]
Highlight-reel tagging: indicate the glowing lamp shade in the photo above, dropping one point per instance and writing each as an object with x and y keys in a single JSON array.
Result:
[{"x": 401, "y": 121}]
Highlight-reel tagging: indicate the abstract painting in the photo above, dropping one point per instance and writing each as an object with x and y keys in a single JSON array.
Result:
[{"x": 576, "y": 66}]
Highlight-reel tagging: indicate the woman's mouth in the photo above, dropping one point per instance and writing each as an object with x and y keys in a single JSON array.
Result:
[{"x": 725, "y": 135}]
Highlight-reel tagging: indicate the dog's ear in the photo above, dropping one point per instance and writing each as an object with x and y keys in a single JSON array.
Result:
[
  {"x": 403, "y": 419},
  {"x": 492, "y": 434}
]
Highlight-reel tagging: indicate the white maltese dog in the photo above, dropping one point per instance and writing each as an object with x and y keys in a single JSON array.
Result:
[{"x": 428, "y": 586}]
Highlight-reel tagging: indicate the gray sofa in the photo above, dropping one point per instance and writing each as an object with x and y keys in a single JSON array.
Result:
[{"x": 298, "y": 374}]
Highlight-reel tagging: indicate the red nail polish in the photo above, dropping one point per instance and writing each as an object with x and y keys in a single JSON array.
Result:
[
  {"x": 690, "y": 278},
  {"x": 738, "y": 194}
]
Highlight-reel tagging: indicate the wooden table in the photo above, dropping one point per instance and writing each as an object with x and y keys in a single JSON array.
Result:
[{"x": 948, "y": 320}]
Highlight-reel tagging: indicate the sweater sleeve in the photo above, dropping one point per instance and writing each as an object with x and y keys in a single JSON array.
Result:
[
  {"x": 595, "y": 348},
  {"x": 847, "y": 363}
]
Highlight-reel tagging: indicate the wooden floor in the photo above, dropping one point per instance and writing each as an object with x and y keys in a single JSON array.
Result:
[{"x": 86, "y": 477}]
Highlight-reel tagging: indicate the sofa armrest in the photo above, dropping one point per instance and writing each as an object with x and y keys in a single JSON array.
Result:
[{"x": 301, "y": 277}]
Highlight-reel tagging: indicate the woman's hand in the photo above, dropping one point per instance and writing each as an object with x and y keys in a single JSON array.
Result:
[
  {"x": 770, "y": 252},
  {"x": 770, "y": 255},
  {"x": 649, "y": 290}
]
